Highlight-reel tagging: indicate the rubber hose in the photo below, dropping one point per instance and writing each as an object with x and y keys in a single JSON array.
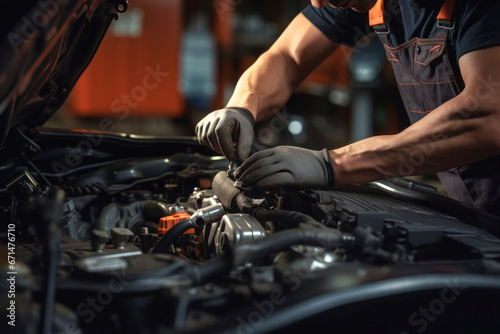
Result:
[
  {"x": 225, "y": 190},
  {"x": 130, "y": 214},
  {"x": 280, "y": 241},
  {"x": 281, "y": 215},
  {"x": 201, "y": 274},
  {"x": 243, "y": 203},
  {"x": 172, "y": 235},
  {"x": 283, "y": 240}
]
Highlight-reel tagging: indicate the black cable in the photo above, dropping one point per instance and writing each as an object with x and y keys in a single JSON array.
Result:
[
  {"x": 85, "y": 167},
  {"x": 99, "y": 188},
  {"x": 47, "y": 182},
  {"x": 50, "y": 254},
  {"x": 32, "y": 143},
  {"x": 291, "y": 218},
  {"x": 38, "y": 149},
  {"x": 144, "y": 180},
  {"x": 93, "y": 189},
  {"x": 171, "y": 236}
]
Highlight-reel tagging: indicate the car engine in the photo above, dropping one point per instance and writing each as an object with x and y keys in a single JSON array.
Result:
[{"x": 126, "y": 242}]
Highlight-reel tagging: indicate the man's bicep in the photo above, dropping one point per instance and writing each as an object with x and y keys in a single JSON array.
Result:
[
  {"x": 304, "y": 44},
  {"x": 480, "y": 99},
  {"x": 480, "y": 70}
]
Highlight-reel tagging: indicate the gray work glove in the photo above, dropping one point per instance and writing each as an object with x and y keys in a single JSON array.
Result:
[
  {"x": 221, "y": 128},
  {"x": 287, "y": 166}
]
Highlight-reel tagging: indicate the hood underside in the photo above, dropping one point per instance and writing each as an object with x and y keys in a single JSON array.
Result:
[{"x": 45, "y": 47}]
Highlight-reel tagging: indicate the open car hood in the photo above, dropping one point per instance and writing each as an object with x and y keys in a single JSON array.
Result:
[{"x": 45, "y": 47}]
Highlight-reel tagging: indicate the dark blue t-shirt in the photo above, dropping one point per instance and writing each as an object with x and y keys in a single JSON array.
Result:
[{"x": 477, "y": 24}]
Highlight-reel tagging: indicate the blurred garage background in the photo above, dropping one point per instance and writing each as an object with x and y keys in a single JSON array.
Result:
[{"x": 166, "y": 63}]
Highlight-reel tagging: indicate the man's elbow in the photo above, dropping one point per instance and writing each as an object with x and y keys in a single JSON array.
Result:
[
  {"x": 496, "y": 130},
  {"x": 490, "y": 124},
  {"x": 482, "y": 109}
]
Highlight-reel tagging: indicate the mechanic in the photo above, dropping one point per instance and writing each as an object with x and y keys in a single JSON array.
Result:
[{"x": 446, "y": 59}]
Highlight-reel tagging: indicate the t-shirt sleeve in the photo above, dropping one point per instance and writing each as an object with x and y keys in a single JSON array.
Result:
[
  {"x": 479, "y": 25},
  {"x": 342, "y": 26}
]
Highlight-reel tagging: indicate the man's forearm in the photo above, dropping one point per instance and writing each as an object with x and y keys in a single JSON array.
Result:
[
  {"x": 461, "y": 131},
  {"x": 266, "y": 86},
  {"x": 451, "y": 136}
]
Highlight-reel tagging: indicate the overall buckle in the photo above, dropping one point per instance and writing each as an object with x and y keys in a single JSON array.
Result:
[
  {"x": 381, "y": 29},
  {"x": 446, "y": 24}
]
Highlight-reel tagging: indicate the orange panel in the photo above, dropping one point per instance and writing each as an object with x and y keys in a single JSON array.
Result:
[{"x": 136, "y": 69}]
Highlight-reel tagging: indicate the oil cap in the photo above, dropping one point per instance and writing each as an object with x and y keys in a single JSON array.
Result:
[{"x": 167, "y": 222}]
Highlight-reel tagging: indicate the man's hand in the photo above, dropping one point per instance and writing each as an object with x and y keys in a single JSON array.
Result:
[
  {"x": 228, "y": 131},
  {"x": 287, "y": 166}
]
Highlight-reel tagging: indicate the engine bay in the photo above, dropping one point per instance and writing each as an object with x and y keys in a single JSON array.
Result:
[{"x": 174, "y": 244}]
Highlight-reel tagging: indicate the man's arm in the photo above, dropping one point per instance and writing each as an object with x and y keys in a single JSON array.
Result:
[
  {"x": 267, "y": 85},
  {"x": 264, "y": 88},
  {"x": 463, "y": 130}
]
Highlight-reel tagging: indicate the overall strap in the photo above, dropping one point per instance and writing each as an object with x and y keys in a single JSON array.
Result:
[
  {"x": 445, "y": 20},
  {"x": 446, "y": 14},
  {"x": 378, "y": 20}
]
